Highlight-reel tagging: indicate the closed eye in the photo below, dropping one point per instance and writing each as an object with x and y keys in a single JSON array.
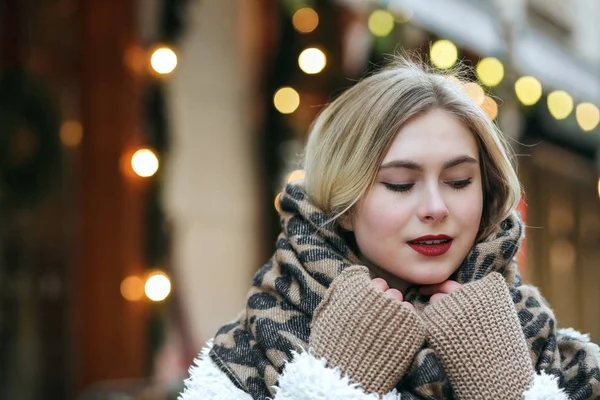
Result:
[
  {"x": 460, "y": 184},
  {"x": 399, "y": 187}
]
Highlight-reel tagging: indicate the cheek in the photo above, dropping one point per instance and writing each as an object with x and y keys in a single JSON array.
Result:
[
  {"x": 468, "y": 210},
  {"x": 382, "y": 216}
]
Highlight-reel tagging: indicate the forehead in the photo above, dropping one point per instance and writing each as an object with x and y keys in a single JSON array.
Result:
[{"x": 435, "y": 135}]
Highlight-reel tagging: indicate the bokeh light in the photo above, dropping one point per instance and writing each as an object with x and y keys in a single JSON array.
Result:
[
  {"x": 163, "y": 60},
  {"x": 490, "y": 71},
  {"x": 144, "y": 163},
  {"x": 560, "y": 104},
  {"x": 490, "y": 107},
  {"x": 286, "y": 100},
  {"x": 588, "y": 116},
  {"x": 132, "y": 288},
  {"x": 71, "y": 133},
  {"x": 475, "y": 92},
  {"x": 296, "y": 175},
  {"x": 312, "y": 60},
  {"x": 305, "y": 20},
  {"x": 277, "y": 206},
  {"x": 381, "y": 23},
  {"x": 528, "y": 90},
  {"x": 158, "y": 286},
  {"x": 443, "y": 54}
]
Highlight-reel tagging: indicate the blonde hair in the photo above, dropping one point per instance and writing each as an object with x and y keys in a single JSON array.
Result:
[{"x": 351, "y": 135}]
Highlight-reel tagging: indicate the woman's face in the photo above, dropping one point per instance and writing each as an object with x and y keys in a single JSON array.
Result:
[{"x": 421, "y": 216}]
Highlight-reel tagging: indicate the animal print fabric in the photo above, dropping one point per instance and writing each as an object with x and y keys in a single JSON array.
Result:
[{"x": 311, "y": 252}]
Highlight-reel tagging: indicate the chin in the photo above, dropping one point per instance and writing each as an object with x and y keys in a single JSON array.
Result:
[{"x": 428, "y": 275}]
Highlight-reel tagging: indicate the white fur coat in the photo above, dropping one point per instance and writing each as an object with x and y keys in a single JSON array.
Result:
[{"x": 307, "y": 378}]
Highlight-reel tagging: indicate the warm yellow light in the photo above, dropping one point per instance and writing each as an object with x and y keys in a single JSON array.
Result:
[
  {"x": 490, "y": 107},
  {"x": 588, "y": 116},
  {"x": 132, "y": 288},
  {"x": 71, "y": 133},
  {"x": 528, "y": 90},
  {"x": 443, "y": 54},
  {"x": 296, "y": 175},
  {"x": 475, "y": 92},
  {"x": 490, "y": 71},
  {"x": 158, "y": 286},
  {"x": 286, "y": 100},
  {"x": 144, "y": 163},
  {"x": 560, "y": 104},
  {"x": 277, "y": 206},
  {"x": 312, "y": 60},
  {"x": 163, "y": 60},
  {"x": 305, "y": 20},
  {"x": 381, "y": 23},
  {"x": 598, "y": 187}
]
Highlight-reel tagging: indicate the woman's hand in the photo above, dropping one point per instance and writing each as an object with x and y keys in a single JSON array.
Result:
[
  {"x": 393, "y": 293},
  {"x": 440, "y": 290}
]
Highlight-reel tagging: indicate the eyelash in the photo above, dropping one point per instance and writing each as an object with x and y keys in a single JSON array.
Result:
[{"x": 402, "y": 188}]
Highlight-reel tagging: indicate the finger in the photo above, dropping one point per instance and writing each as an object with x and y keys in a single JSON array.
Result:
[
  {"x": 381, "y": 284},
  {"x": 436, "y": 297},
  {"x": 410, "y": 305},
  {"x": 450, "y": 286},
  {"x": 394, "y": 294}
]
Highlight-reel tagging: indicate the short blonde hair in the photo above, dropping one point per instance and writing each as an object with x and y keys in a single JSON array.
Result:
[{"x": 351, "y": 135}]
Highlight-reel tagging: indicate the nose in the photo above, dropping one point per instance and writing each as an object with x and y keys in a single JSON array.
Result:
[{"x": 433, "y": 208}]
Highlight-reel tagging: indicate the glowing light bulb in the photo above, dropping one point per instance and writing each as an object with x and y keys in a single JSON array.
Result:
[
  {"x": 158, "y": 286},
  {"x": 277, "y": 206},
  {"x": 381, "y": 23},
  {"x": 490, "y": 71},
  {"x": 132, "y": 288},
  {"x": 528, "y": 90},
  {"x": 305, "y": 20},
  {"x": 490, "y": 107},
  {"x": 163, "y": 60},
  {"x": 286, "y": 100},
  {"x": 588, "y": 116},
  {"x": 296, "y": 175},
  {"x": 71, "y": 133},
  {"x": 560, "y": 104},
  {"x": 144, "y": 163},
  {"x": 475, "y": 92},
  {"x": 312, "y": 60},
  {"x": 443, "y": 54}
]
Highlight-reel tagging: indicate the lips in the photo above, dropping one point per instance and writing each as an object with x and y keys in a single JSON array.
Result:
[{"x": 431, "y": 245}]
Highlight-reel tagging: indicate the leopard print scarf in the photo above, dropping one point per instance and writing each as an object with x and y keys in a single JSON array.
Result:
[{"x": 311, "y": 253}]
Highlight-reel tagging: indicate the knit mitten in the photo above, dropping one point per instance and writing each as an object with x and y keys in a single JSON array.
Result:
[
  {"x": 476, "y": 332},
  {"x": 367, "y": 334}
]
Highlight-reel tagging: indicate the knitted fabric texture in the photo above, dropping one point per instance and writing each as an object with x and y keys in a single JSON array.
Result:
[
  {"x": 369, "y": 335},
  {"x": 474, "y": 327},
  {"x": 310, "y": 254}
]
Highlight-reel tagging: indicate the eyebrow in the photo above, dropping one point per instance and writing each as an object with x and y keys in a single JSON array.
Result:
[{"x": 414, "y": 166}]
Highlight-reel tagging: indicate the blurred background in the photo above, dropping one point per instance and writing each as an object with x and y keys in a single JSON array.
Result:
[{"x": 143, "y": 143}]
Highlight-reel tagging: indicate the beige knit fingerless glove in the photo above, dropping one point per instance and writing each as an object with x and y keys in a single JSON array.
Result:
[
  {"x": 476, "y": 332},
  {"x": 369, "y": 335}
]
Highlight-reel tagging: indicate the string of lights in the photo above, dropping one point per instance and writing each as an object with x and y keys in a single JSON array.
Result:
[{"x": 381, "y": 21}]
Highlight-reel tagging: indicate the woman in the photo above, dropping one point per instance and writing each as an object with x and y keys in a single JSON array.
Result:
[{"x": 394, "y": 275}]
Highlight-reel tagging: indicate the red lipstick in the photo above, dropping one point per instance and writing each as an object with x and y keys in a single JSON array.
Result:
[{"x": 431, "y": 245}]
